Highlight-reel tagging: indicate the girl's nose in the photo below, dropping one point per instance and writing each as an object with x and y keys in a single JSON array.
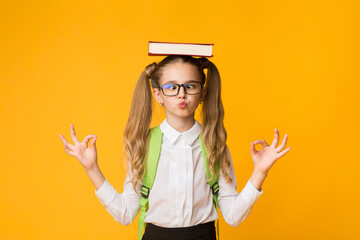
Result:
[{"x": 182, "y": 92}]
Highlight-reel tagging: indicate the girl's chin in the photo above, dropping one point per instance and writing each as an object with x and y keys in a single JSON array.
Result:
[{"x": 181, "y": 114}]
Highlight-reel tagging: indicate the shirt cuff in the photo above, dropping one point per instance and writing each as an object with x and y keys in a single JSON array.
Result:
[
  {"x": 250, "y": 194},
  {"x": 106, "y": 193}
]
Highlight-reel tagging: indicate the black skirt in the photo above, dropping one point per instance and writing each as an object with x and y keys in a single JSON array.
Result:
[{"x": 205, "y": 231}]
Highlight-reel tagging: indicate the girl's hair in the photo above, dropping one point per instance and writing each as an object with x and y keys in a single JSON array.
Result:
[{"x": 137, "y": 129}]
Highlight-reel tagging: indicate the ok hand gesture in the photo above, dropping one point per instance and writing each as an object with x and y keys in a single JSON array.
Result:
[
  {"x": 267, "y": 156},
  {"x": 86, "y": 156}
]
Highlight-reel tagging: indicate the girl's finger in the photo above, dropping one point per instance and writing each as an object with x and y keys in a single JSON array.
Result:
[
  {"x": 93, "y": 146},
  {"x": 87, "y": 138},
  {"x": 276, "y": 139},
  {"x": 73, "y": 135},
  {"x": 283, "y": 152},
  {"x": 282, "y": 145},
  {"x": 69, "y": 146},
  {"x": 62, "y": 138},
  {"x": 68, "y": 151},
  {"x": 252, "y": 148},
  {"x": 262, "y": 142},
  {"x": 66, "y": 142}
]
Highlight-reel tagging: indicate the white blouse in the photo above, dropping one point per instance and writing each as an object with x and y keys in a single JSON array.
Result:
[{"x": 180, "y": 196}]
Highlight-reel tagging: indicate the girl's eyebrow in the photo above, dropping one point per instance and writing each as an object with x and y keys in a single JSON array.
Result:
[{"x": 173, "y": 81}]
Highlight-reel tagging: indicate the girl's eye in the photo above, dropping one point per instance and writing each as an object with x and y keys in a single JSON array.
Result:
[
  {"x": 173, "y": 87},
  {"x": 191, "y": 85},
  {"x": 170, "y": 86}
]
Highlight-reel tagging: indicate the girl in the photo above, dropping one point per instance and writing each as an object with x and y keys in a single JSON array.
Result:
[{"x": 180, "y": 201}]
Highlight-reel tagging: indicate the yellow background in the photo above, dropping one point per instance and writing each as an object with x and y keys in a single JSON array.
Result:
[{"x": 293, "y": 65}]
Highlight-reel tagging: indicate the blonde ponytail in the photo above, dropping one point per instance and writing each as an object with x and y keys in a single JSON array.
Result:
[
  {"x": 213, "y": 130},
  {"x": 136, "y": 131}
]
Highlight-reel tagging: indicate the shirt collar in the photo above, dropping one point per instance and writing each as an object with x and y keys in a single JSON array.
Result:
[{"x": 190, "y": 135}]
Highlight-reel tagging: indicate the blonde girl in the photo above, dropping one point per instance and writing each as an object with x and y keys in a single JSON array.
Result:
[{"x": 180, "y": 203}]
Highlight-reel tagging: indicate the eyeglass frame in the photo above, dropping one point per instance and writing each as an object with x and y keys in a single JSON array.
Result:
[{"x": 181, "y": 85}]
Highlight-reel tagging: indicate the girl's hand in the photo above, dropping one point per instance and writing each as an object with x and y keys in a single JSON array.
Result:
[
  {"x": 86, "y": 156},
  {"x": 267, "y": 156}
]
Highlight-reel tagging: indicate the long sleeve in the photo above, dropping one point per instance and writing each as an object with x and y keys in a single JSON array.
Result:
[
  {"x": 123, "y": 207},
  {"x": 236, "y": 207}
]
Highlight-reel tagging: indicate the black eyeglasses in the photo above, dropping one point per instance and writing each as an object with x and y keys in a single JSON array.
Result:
[{"x": 190, "y": 88}]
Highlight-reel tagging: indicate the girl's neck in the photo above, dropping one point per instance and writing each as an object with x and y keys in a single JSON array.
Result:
[{"x": 182, "y": 124}]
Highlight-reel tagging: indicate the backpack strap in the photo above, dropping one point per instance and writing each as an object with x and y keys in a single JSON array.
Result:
[
  {"x": 154, "y": 148},
  {"x": 214, "y": 183}
]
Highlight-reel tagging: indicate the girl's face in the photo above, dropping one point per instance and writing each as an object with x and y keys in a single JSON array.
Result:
[{"x": 181, "y": 106}]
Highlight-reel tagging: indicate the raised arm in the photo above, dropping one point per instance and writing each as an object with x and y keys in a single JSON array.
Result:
[
  {"x": 87, "y": 156},
  {"x": 234, "y": 206},
  {"x": 123, "y": 207}
]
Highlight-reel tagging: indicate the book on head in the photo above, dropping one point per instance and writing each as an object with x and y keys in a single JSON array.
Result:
[{"x": 174, "y": 48}]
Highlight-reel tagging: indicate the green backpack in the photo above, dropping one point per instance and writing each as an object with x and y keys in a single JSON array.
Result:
[{"x": 150, "y": 173}]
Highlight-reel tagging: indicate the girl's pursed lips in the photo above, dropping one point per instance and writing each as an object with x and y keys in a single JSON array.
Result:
[{"x": 182, "y": 104}]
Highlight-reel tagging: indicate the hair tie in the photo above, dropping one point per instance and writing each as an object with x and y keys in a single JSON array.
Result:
[
  {"x": 150, "y": 69},
  {"x": 204, "y": 62}
]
